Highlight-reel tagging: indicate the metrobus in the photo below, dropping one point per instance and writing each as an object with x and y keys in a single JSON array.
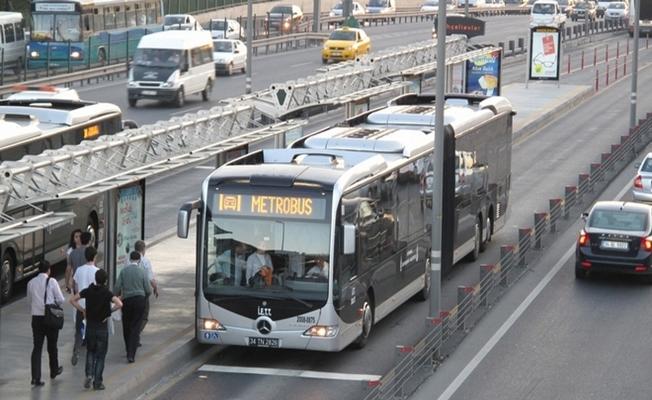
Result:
[
  {"x": 30, "y": 125},
  {"x": 86, "y": 32},
  {"x": 308, "y": 247}
]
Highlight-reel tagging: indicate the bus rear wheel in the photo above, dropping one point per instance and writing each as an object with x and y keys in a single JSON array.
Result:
[
  {"x": 6, "y": 277},
  {"x": 367, "y": 323}
]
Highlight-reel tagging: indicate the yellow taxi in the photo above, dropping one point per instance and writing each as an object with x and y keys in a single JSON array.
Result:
[{"x": 345, "y": 44}]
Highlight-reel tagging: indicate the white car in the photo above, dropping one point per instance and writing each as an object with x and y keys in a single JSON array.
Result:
[
  {"x": 433, "y": 5},
  {"x": 336, "y": 11},
  {"x": 229, "y": 55},
  {"x": 547, "y": 13},
  {"x": 616, "y": 11},
  {"x": 231, "y": 27},
  {"x": 181, "y": 22}
]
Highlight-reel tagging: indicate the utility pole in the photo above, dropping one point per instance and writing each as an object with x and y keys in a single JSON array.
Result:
[
  {"x": 633, "y": 94},
  {"x": 347, "y": 8},
  {"x": 466, "y": 8},
  {"x": 316, "y": 10},
  {"x": 438, "y": 165},
  {"x": 250, "y": 34}
]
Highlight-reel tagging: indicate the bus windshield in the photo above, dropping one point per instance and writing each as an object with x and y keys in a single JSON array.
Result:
[
  {"x": 283, "y": 257},
  {"x": 56, "y": 27}
]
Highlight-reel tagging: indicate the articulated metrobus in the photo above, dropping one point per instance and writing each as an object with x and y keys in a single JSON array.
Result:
[
  {"x": 32, "y": 122},
  {"x": 308, "y": 247},
  {"x": 89, "y": 31}
]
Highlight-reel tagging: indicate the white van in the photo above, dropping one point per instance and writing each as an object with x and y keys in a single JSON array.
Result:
[
  {"x": 547, "y": 13},
  {"x": 12, "y": 39},
  {"x": 181, "y": 22},
  {"x": 171, "y": 65},
  {"x": 381, "y": 6}
]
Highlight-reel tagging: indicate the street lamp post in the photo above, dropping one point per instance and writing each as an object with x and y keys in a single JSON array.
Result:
[
  {"x": 633, "y": 94},
  {"x": 250, "y": 34}
]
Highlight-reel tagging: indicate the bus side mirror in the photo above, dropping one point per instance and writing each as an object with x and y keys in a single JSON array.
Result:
[
  {"x": 183, "y": 217},
  {"x": 349, "y": 239}
]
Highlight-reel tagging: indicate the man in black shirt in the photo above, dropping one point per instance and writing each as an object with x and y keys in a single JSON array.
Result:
[{"x": 97, "y": 313}]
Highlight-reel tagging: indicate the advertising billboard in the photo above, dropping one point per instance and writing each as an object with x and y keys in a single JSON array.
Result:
[
  {"x": 545, "y": 53},
  {"x": 129, "y": 222},
  {"x": 483, "y": 74}
]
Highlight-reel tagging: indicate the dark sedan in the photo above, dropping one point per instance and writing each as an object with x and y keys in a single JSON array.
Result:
[{"x": 617, "y": 237}]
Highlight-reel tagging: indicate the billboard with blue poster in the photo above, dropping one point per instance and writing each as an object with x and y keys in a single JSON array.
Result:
[{"x": 483, "y": 74}]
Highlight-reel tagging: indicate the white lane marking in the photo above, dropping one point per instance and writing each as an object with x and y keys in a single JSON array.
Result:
[
  {"x": 187, "y": 110},
  {"x": 301, "y": 64},
  {"x": 204, "y": 167},
  {"x": 294, "y": 373},
  {"x": 473, "y": 364}
]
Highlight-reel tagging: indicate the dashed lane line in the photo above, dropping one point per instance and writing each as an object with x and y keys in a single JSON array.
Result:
[{"x": 292, "y": 373}]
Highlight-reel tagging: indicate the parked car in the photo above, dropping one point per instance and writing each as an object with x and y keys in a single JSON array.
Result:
[
  {"x": 616, "y": 11},
  {"x": 642, "y": 187},
  {"x": 345, "y": 44},
  {"x": 229, "y": 55},
  {"x": 182, "y": 22},
  {"x": 284, "y": 18},
  {"x": 336, "y": 11},
  {"x": 585, "y": 11},
  {"x": 226, "y": 29},
  {"x": 547, "y": 13},
  {"x": 433, "y": 5},
  {"x": 617, "y": 237}
]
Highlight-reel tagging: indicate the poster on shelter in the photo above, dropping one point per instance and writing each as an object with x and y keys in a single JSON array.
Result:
[
  {"x": 483, "y": 74},
  {"x": 129, "y": 222},
  {"x": 545, "y": 53}
]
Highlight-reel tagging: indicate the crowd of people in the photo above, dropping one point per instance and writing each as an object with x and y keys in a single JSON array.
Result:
[{"x": 97, "y": 306}]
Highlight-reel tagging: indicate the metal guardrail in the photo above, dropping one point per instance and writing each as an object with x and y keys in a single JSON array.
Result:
[{"x": 416, "y": 363}]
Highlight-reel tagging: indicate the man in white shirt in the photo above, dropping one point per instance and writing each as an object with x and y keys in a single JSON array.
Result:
[
  {"x": 235, "y": 269},
  {"x": 258, "y": 261},
  {"x": 319, "y": 270},
  {"x": 84, "y": 276},
  {"x": 140, "y": 246},
  {"x": 36, "y": 289}
]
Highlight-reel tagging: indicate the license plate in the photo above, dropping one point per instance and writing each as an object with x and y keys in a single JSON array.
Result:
[
  {"x": 149, "y": 92},
  {"x": 264, "y": 342},
  {"x": 337, "y": 53},
  {"x": 611, "y": 245}
]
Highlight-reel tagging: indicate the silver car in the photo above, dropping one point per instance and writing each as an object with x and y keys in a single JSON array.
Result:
[{"x": 642, "y": 188}]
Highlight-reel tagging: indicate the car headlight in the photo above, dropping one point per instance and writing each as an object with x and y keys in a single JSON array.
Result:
[
  {"x": 212, "y": 325},
  {"x": 172, "y": 79},
  {"x": 34, "y": 54},
  {"x": 321, "y": 331}
]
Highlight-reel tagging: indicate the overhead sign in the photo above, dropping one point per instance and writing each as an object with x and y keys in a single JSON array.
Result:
[
  {"x": 483, "y": 74},
  {"x": 54, "y": 7},
  {"x": 461, "y": 25},
  {"x": 545, "y": 53},
  {"x": 252, "y": 205}
]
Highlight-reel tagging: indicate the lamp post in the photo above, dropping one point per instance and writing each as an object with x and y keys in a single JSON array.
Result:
[
  {"x": 250, "y": 34},
  {"x": 633, "y": 95}
]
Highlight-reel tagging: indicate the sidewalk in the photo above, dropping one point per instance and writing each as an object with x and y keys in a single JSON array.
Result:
[{"x": 168, "y": 339}]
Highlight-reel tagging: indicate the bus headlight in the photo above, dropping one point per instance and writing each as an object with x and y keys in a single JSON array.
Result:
[
  {"x": 75, "y": 54},
  {"x": 34, "y": 54},
  {"x": 212, "y": 325},
  {"x": 321, "y": 331}
]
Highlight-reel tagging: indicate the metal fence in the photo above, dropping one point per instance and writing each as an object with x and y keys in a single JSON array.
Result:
[{"x": 416, "y": 363}]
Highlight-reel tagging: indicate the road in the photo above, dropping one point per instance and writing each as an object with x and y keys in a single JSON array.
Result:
[{"x": 542, "y": 164}]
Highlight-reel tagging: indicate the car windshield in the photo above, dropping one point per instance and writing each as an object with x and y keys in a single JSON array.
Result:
[
  {"x": 581, "y": 5},
  {"x": 165, "y": 58},
  {"x": 174, "y": 20},
  {"x": 342, "y": 35},
  {"x": 56, "y": 27},
  {"x": 222, "y": 46},
  {"x": 618, "y": 220},
  {"x": 281, "y": 10},
  {"x": 543, "y": 9},
  {"x": 377, "y": 3},
  {"x": 616, "y": 6},
  {"x": 218, "y": 25},
  {"x": 647, "y": 165},
  {"x": 338, "y": 6}
]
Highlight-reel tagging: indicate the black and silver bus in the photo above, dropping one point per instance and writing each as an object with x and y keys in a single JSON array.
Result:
[
  {"x": 31, "y": 122},
  {"x": 308, "y": 247}
]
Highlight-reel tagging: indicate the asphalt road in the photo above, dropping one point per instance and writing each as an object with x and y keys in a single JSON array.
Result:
[{"x": 542, "y": 164}]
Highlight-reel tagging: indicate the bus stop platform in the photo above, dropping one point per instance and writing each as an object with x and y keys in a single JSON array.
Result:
[{"x": 168, "y": 344}]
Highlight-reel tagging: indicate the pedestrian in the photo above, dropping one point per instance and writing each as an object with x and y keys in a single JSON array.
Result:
[
  {"x": 75, "y": 241},
  {"x": 141, "y": 247},
  {"x": 132, "y": 286},
  {"x": 42, "y": 290},
  {"x": 84, "y": 276},
  {"x": 76, "y": 259},
  {"x": 97, "y": 312}
]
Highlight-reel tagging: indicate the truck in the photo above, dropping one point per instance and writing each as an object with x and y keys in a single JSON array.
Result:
[{"x": 645, "y": 20}]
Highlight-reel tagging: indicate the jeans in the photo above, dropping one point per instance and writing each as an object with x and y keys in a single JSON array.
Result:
[
  {"x": 97, "y": 344},
  {"x": 79, "y": 320},
  {"x": 145, "y": 314},
  {"x": 132, "y": 319},
  {"x": 40, "y": 332}
]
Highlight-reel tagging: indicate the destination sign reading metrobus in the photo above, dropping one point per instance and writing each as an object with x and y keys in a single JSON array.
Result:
[{"x": 253, "y": 205}]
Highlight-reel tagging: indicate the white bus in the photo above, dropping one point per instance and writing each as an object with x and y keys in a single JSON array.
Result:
[
  {"x": 12, "y": 40},
  {"x": 31, "y": 122},
  {"x": 308, "y": 247}
]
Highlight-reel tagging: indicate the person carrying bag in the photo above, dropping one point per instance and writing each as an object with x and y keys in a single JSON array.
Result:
[{"x": 53, "y": 312}]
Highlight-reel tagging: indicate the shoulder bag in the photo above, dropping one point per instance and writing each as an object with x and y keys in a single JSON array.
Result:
[{"x": 53, "y": 312}]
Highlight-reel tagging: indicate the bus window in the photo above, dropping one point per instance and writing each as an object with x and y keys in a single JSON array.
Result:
[
  {"x": 151, "y": 12},
  {"x": 20, "y": 31},
  {"x": 88, "y": 21},
  {"x": 131, "y": 15},
  {"x": 9, "y": 33},
  {"x": 141, "y": 16},
  {"x": 109, "y": 18},
  {"x": 119, "y": 18},
  {"x": 98, "y": 20}
]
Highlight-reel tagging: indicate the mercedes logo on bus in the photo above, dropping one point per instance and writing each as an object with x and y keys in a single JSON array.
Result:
[{"x": 264, "y": 326}]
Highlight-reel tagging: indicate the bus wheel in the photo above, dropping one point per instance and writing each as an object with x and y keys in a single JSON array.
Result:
[
  {"x": 424, "y": 294},
  {"x": 477, "y": 240},
  {"x": 6, "y": 277},
  {"x": 206, "y": 93},
  {"x": 487, "y": 228},
  {"x": 180, "y": 100},
  {"x": 367, "y": 323}
]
